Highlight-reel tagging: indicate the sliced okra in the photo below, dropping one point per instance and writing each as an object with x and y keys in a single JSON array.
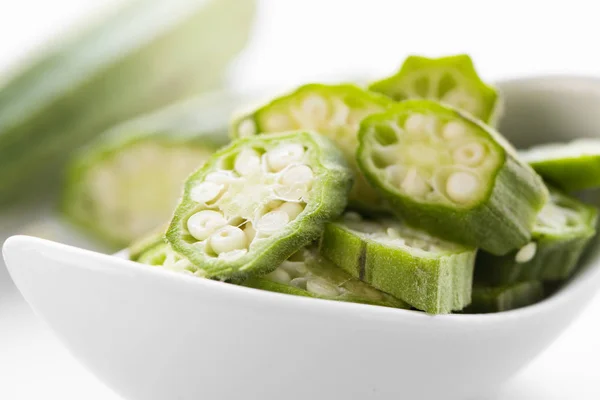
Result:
[
  {"x": 451, "y": 175},
  {"x": 452, "y": 80},
  {"x": 335, "y": 111},
  {"x": 563, "y": 229},
  {"x": 141, "y": 246},
  {"x": 308, "y": 274},
  {"x": 162, "y": 255},
  {"x": 257, "y": 201},
  {"x": 430, "y": 274},
  {"x": 569, "y": 166},
  {"x": 489, "y": 299}
]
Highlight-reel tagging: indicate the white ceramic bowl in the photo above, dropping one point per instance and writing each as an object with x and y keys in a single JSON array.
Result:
[{"x": 152, "y": 335}]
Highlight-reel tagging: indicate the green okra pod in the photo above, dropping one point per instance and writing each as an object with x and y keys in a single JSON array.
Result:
[
  {"x": 452, "y": 80},
  {"x": 451, "y": 175},
  {"x": 562, "y": 230},
  {"x": 258, "y": 201},
  {"x": 569, "y": 166},
  {"x": 335, "y": 111},
  {"x": 430, "y": 274},
  {"x": 489, "y": 299}
]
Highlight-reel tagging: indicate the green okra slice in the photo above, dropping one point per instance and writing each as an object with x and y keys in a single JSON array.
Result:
[
  {"x": 308, "y": 274},
  {"x": 430, "y": 274},
  {"x": 562, "y": 230},
  {"x": 489, "y": 299},
  {"x": 258, "y": 201},
  {"x": 127, "y": 181},
  {"x": 452, "y": 80},
  {"x": 570, "y": 166},
  {"x": 335, "y": 111},
  {"x": 451, "y": 175},
  {"x": 141, "y": 246}
]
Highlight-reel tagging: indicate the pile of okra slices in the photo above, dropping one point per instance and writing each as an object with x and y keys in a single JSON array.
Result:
[{"x": 399, "y": 194}]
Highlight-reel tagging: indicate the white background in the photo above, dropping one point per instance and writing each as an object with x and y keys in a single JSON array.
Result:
[{"x": 298, "y": 40}]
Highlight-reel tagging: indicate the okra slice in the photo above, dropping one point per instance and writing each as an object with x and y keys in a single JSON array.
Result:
[
  {"x": 308, "y": 274},
  {"x": 452, "y": 80},
  {"x": 162, "y": 255},
  {"x": 258, "y": 201},
  {"x": 141, "y": 246},
  {"x": 430, "y": 274},
  {"x": 449, "y": 174},
  {"x": 569, "y": 166},
  {"x": 127, "y": 182},
  {"x": 489, "y": 299},
  {"x": 335, "y": 111},
  {"x": 562, "y": 230}
]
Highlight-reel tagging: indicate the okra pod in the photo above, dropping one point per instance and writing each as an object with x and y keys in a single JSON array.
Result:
[
  {"x": 489, "y": 299},
  {"x": 127, "y": 182},
  {"x": 563, "y": 229},
  {"x": 430, "y": 274},
  {"x": 258, "y": 201},
  {"x": 569, "y": 166},
  {"x": 451, "y": 175},
  {"x": 335, "y": 111},
  {"x": 452, "y": 80}
]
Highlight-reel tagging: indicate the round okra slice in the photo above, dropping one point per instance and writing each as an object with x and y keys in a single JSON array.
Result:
[
  {"x": 562, "y": 230},
  {"x": 258, "y": 201},
  {"x": 307, "y": 274},
  {"x": 448, "y": 174},
  {"x": 162, "y": 255},
  {"x": 335, "y": 111},
  {"x": 430, "y": 274},
  {"x": 452, "y": 80},
  {"x": 569, "y": 166},
  {"x": 489, "y": 299}
]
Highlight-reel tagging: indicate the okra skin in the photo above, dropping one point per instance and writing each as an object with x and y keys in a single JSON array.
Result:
[
  {"x": 144, "y": 56},
  {"x": 569, "y": 166},
  {"x": 327, "y": 200},
  {"x": 142, "y": 163},
  {"x": 452, "y": 80},
  {"x": 557, "y": 251},
  {"x": 335, "y": 111},
  {"x": 500, "y": 220},
  {"x": 142, "y": 246},
  {"x": 436, "y": 283},
  {"x": 489, "y": 299}
]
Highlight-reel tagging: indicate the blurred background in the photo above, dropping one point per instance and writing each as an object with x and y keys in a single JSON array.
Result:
[{"x": 291, "y": 42}]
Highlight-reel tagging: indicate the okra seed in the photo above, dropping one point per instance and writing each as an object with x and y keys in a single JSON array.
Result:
[
  {"x": 300, "y": 283},
  {"x": 352, "y": 216},
  {"x": 247, "y": 162},
  {"x": 315, "y": 108},
  {"x": 249, "y": 231},
  {"x": 291, "y": 209},
  {"x": 206, "y": 192},
  {"x": 526, "y": 253},
  {"x": 470, "y": 154},
  {"x": 247, "y": 128},
  {"x": 461, "y": 99},
  {"x": 284, "y": 155},
  {"x": 277, "y": 123},
  {"x": 280, "y": 275},
  {"x": 202, "y": 224},
  {"x": 453, "y": 130},
  {"x": 233, "y": 254},
  {"x": 227, "y": 239},
  {"x": 222, "y": 177},
  {"x": 272, "y": 222},
  {"x": 321, "y": 287},
  {"x": 415, "y": 123},
  {"x": 294, "y": 268},
  {"x": 462, "y": 186},
  {"x": 297, "y": 174},
  {"x": 414, "y": 184}
]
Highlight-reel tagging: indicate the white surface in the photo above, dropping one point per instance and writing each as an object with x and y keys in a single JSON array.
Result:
[{"x": 297, "y": 40}]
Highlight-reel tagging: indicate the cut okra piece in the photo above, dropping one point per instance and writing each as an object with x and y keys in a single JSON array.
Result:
[
  {"x": 489, "y": 299},
  {"x": 335, "y": 111},
  {"x": 258, "y": 201},
  {"x": 307, "y": 274},
  {"x": 127, "y": 182},
  {"x": 569, "y": 166},
  {"x": 162, "y": 255},
  {"x": 562, "y": 230},
  {"x": 449, "y": 174},
  {"x": 430, "y": 274},
  {"x": 141, "y": 246},
  {"x": 452, "y": 80}
]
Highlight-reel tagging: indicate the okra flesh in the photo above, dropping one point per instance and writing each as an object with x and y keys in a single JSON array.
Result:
[
  {"x": 452, "y": 80},
  {"x": 561, "y": 233},
  {"x": 452, "y": 176},
  {"x": 430, "y": 274},
  {"x": 334, "y": 111},
  {"x": 307, "y": 274},
  {"x": 570, "y": 166},
  {"x": 504, "y": 298},
  {"x": 258, "y": 201}
]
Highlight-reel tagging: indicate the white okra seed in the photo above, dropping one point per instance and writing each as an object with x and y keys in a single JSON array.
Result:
[
  {"x": 321, "y": 287},
  {"x": 284, "y": 155},
  {"x": 227, "y": 239},
  {"x": 461, "y": 99},
  {"x": 526, "y": 253},
  {"x": 280, "y": 275},
  {"x": 222, "y": 177},
  {"x": 453, "y": 130},
  {"x": 233, "y": 254},
  {"x": 206, "y": 192},
  {"x": 202, "y": 224},
  {"x": 249, "y": 231},
  {"x": 278, "y": 122},
  {"x": 247, "y": 162},
  {"x": 314, "y": 108},
  {"x": 415, "y": 123},
  {"x": 462, "y": 186},
  {"x": 352, "y": 216},
  {"x": 272, "y": 222},
  {"x": 300, "y": 283},
  {"x": 414, "y": 184},
  {"x": 292, "y": 209},
  {"x": 470, "y": 154},
  {"x": 294, "y": 268},
  {"x": 297, "y": 174},
  {"x": 247, "y": 128}
]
